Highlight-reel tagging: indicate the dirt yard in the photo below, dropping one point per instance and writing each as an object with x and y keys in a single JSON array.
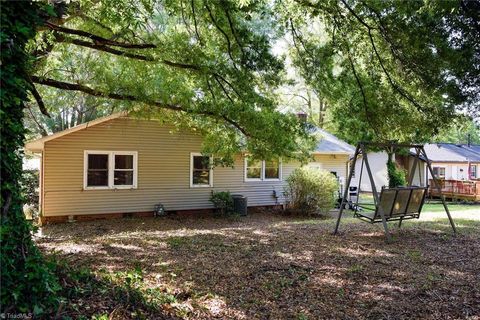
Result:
[{"x": 268, "y": 266}]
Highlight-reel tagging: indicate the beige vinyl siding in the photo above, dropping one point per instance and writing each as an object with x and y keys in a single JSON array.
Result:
[
  {"x": 163, "y": 171},
  {"x": 332, "y": 163}
]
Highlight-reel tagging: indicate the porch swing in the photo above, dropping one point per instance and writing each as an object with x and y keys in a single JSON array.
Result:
[{"x": 395, "y": 203}]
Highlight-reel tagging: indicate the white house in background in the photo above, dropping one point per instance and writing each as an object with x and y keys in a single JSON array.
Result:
[
  {"x": 378, "y": 166},
  {"x": 119, "y": 165},
  {"x": 454, "y": 161},
  {"x": 377, "y": 161}
]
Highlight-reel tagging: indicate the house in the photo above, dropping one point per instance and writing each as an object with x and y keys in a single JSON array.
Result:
[
  {"x": 378, "y": 167},
  {"x": 456, "y": 165},
  {"x": 120, "y": 165},
  {"x": 454, "y": 161}
]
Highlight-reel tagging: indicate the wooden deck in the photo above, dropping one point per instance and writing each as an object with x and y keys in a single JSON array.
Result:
[{"x": 456, "y": 189}]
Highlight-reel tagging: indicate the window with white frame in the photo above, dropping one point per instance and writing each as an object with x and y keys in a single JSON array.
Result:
[
  {"x": 256, "y": 170},
  {"x": 201, "y": 174},
  {"x": 271, "y": 170},
  {"x": 439, "y": 172},
  {"x": 473, "y": 171},
  {"x": 110, "y": 169},
  {"x": 123, "y": 170},
  {"x": 253, "y": 169}
]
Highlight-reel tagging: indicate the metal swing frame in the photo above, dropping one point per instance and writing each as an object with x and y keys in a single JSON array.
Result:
[{"x": 408, "y": 211}]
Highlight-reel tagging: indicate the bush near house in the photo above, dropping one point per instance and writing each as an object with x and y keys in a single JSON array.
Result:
[
  {"x": 222, "y": 201},
  {"x": 311, "y": 191},
  {"x": 396, "y": 175}
]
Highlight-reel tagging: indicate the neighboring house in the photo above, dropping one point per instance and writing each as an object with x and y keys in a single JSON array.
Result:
[
  {"x": 454, "y": 161},
  {"x": 118, "y": 165},
  {"x": 329, "y": 152},
  {"x": 378, "y": 167}
]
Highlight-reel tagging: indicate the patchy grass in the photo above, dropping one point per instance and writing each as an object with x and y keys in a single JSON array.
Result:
[
  {"x": 453, "y": 207},
  {"x": 266, "y": 266}
]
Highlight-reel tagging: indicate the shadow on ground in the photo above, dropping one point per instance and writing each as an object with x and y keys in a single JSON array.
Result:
[{"x": 269, "y": 266}]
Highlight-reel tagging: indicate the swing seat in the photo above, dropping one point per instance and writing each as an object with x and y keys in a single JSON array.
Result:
[{"x": 400, "y": 203}]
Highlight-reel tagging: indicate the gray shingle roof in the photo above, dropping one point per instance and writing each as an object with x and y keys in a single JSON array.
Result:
[
  {"x": 330, "y": 143},
  {"x": 474, "y": 148},
  {"x": 449, "y": 152}
]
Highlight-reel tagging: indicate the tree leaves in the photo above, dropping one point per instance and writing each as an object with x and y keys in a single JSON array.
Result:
[{"x": 399, "y": 72}]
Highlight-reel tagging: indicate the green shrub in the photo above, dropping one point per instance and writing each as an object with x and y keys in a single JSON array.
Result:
[
  {"x": 396, "y": 176},
  {"x": 311, "y": 191},
  {"x": 222, "y": 201}
]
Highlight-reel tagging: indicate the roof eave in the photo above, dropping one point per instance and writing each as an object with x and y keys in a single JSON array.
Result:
[
  {"x": 333, "y": 152},
  {"x": 35, "y": 146}
]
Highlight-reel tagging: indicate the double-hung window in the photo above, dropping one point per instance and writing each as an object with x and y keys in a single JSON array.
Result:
[
  {"x": 271, "y": 170},
  {"x": 253, "y": 169},
  {"x": 201, "y": 173},
  {"x": 256, "y": 170},
  {"x": 97, "y": 170},
  {"x": 110, "y": 169},
  {"x": 473, "y": 171},
  {"x": 439, "y": 172}
]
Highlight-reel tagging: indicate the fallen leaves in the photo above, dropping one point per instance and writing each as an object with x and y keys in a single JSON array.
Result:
[{"x": 278, "y": 267}]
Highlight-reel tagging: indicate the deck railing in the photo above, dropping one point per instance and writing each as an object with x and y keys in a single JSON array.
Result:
[{"x": 460, "y": 187}]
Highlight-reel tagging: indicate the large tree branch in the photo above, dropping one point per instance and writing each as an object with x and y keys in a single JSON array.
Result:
[
  {"x": 126, "y": 97},
  {"x": 228, "y": 83},
  {"x": 223, "y": 88},
  {"x": 105, "y": 48},
  {"x": 295, "y": 37},
  {"x": 402, "y": 92},
  {"x": 359, "y": 82},
  {"x": 42, "y": 130},
  {"x": 227, "y": 38},
  {"x": 192, "y": 3},
  {"x": 39, "y": 99},
  {"x": 397, "y": 88},
  {"x": 230, "y": 23},
  {"x": 99, "y": 39},
  {"x": 369, "y": 27}
]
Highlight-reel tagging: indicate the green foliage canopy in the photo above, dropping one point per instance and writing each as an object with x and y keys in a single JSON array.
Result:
[
  {"x": 390, "y": 70},
  {"x": 201, "y": 64}
]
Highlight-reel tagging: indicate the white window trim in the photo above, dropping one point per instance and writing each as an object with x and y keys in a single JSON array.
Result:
[
  {"x": 210, "y": 174},
  {"x": 262, "y": 172},
  {"x": 444, "y": 172},
  {"x": 111, "y": 169},
  {"x": 472, "y": 171},
  {"x": 245, "y": 171}
]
